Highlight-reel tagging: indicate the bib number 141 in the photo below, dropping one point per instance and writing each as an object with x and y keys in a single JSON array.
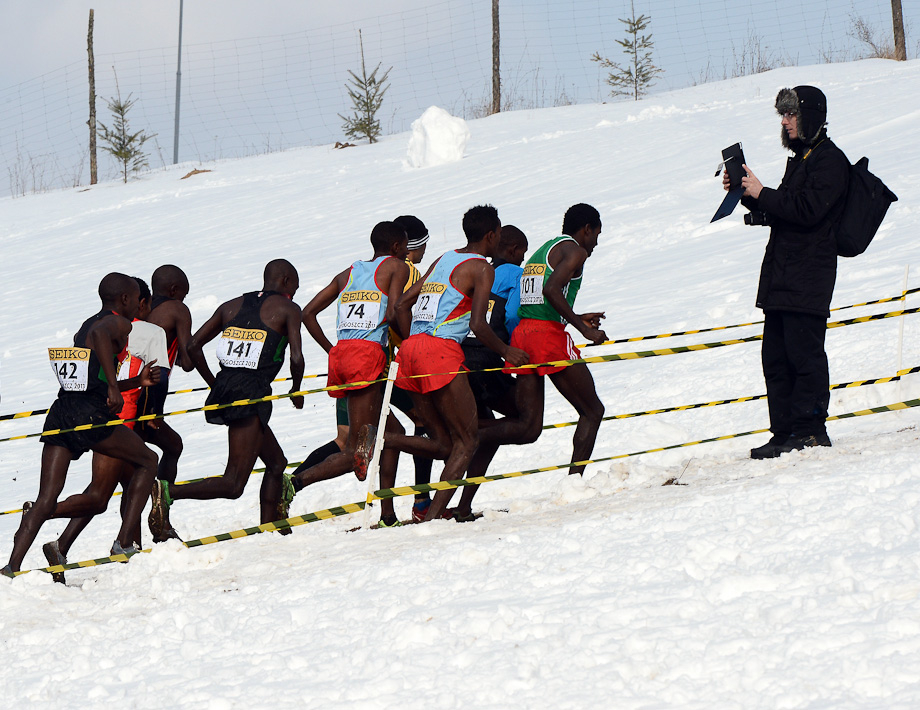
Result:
[{"x": 240, "y": 347}]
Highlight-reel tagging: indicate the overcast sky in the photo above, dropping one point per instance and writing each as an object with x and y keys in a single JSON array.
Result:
[
  {"x": 272, "y": 75},
  {"x": 41, "y": 35}
]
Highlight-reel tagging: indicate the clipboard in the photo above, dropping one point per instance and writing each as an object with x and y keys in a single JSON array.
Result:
[{"x": 732, "y": 160}]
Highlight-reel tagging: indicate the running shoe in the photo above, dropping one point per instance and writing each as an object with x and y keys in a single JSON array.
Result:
[
  {"x": 287, "y": 495},
  {"x": 394, "y": 523},
  {"x": 131, "y": 549},
  {"x": 420, "y": 509},
  {"x": 364, "y": 451},
  {"x": 55, "y": 557},
  {"x": 158, "y": 520}
]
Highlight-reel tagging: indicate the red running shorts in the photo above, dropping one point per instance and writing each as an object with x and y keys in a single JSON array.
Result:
[
  {"x": 543, "y": 341},
  {"x": 354, "y": 361},
  {"x": 427, "y": 355}
]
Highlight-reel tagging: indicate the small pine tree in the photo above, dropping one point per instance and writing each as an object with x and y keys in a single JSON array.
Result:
[
  {"x": 366, "y": 93},
  {"x": 124, "y": 146},
  {"x": 637, "y": 76}
]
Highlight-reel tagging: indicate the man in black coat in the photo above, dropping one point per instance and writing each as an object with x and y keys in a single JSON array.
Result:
[{"x": 798, "y": 272}]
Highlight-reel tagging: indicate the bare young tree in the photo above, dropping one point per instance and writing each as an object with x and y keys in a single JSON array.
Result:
[
  {"x": 637, "y": 75},
  {"x": 93, "y": 173},
  {"x": 878, "y": 46}
]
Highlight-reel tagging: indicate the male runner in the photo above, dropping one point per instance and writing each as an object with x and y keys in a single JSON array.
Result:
[
  {"x": 90, "y": 394},
  {"x": 453, "y": 298},
  {"x": 366, "y": 295},
  {"x": 168, "y": 310},
  {"x": 418, "y": 243},
  {"x": 254, "y": 330},
  {"x": 146, "y": 343},
  {"x": 494, "y": 390},
  {"x": 549, "y": 284}
]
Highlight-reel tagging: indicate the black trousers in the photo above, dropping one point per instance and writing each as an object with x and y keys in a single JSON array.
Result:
[{"x": 795, "y": 371}]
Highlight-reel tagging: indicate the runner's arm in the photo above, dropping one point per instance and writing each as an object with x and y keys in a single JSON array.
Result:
[
  {"x": 571, "y": 261},
  {"x": 101, "y": 339},
  {"x": 295, "y": 344},
  {"x": 398, "y": 276},
  {"x": 482, "y": 289},
  {"x": 408, "y": 299},
  {"x": 147, "y": 377},
  {"x": 183, "y": 325},
  {"x": 205, "y": 334},
  {"x": 319, "y": 303}
]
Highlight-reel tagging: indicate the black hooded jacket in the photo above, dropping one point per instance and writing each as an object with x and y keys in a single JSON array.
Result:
[{"x": 800, "y": 264}]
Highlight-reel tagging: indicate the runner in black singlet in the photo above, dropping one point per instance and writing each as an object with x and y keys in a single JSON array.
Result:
[
  {"x": 254, "y": 331},
  {"x": 90, "y": 394}
]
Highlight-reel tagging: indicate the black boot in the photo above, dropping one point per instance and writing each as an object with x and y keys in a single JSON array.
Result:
[
  {"x": 797, "y": 443},
  {"x": 771, "y": 449}
]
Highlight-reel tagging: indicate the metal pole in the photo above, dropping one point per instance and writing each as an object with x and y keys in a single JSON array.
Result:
[{"x": 178, "y": 89}]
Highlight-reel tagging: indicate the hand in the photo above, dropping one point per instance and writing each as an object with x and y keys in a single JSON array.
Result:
[
  {"x": 516, "y": 357},
  {"x": 592, "y": 320},
  {"x": 150, "y": 375},
  {"x": 726, "y": 181},
  {"x": 751, "y": 184},
  {"x": 114, "y": 401},
  {"x": 595, "y": 336},
  {"x": 297, "y": 400}
]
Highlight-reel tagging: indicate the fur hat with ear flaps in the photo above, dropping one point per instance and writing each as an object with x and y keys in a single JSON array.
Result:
[{"x": 809, "y": 105}]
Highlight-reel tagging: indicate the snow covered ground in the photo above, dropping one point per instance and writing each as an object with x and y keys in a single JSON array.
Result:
[{"x": 792, "y": 583}]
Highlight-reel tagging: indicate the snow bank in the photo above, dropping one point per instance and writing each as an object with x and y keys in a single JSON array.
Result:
[
  {"x": 437, "y": 139},
  {"x": 789, "y": 583}
]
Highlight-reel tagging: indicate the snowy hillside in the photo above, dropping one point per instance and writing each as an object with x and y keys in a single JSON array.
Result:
[{"x": 791, "y": 583}]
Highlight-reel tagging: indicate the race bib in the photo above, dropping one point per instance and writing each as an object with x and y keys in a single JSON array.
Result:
[
  {"x": 240, "y": 347},
  {"x": 426, "y": 307},
  {"x": 532, "y": 285},
  {"x": 71, "y": 367},
  {"x": 360, "y": 310}
]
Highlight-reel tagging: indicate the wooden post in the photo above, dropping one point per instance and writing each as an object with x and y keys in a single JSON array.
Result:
[
  {"x": 93, "y": 174},
  {"x": 496, "y": 71},
  {"x": 897, "y": 22}
]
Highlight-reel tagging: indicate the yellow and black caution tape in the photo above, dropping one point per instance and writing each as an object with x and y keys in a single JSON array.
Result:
[
  {"x": 205, "y": 408},
  {"x": 556, "y": 363},
  {"x": 36, "y": 412},
  {"x": 206, "y": 388},
  {"x": 890, "y": 299},
  {"x": 285, "y": 524},
  {"x": 736, "y": 400},
  {"x": 631, "y": 415},
  {"x": 399, "y": 491},
  {"x": 832, "y": 324},
  {"x": 243, "y": 402}
]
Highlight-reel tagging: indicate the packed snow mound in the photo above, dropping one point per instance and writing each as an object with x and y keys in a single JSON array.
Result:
[{"x": 437, "y": 138}]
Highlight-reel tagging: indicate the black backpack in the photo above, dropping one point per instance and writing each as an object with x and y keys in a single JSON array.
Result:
[{"x": 867, "y": 202}]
